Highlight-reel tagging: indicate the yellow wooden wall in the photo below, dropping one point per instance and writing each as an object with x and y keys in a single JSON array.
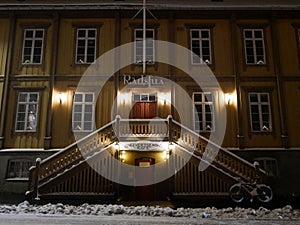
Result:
[{"x": 67, "y": 75}]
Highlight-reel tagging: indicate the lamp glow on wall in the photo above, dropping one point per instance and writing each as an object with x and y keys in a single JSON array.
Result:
[
  {"x": 61, "y": 97},
  {"x": 122, "y": 156},
  {"x": 229, "y": 98}
]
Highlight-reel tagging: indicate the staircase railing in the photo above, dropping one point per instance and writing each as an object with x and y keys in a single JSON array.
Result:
[
  {"x": 69, "y": 156},
  {"x": 127, "y": 129},
  {"x": 211, "y": 152}
]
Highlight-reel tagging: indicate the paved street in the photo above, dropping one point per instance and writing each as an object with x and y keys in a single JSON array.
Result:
[{"x": 32, "y": 219}]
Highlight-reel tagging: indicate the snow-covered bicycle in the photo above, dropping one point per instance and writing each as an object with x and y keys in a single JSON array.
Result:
[{"x": 239, "y": 191}]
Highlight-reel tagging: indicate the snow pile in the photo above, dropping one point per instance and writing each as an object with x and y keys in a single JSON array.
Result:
[{"x": 285, "y": 213}]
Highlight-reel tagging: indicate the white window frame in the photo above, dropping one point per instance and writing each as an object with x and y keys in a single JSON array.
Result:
[
  {"x": 204, "y": 103},
  {"x": 30, "y": 118},
  {"x": 86, "y": 39},
  {"x": 263, "y": 161},
  {"x": 83, "y": 105},
  {"x": 18, "y": 168},
  {"x": 254, "y": 39},
  {"x": 140, "y": 40},
  {"x": 198, "y": 59},
  {"x": 259, "y": 104},
  {"x": 144, "y": 97},
  {"x": 34, "y": 40}
]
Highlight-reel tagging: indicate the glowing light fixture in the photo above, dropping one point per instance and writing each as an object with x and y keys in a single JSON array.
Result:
[{"x": 228, "y": 98}]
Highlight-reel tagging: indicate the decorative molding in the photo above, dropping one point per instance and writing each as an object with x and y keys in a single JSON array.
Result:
[
  {"x": 199, "y": 25},
  {"x": 87, "y": 25},
  {"x": 29, "y": 88},
  {"x": 150, "y": 25}
]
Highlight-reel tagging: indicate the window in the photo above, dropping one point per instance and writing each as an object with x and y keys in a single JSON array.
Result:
[
  {"x": 83, "y": 112},
  {"x": 260, "y": 112},
  {"x": 269, "y": 165},
  {"x": 27, "y": 112},
  {"x": 254, "y": 46},
  {"x": 86, "y": 45},
  {"x": 201, "y": 46},
  {"x": 33, "y": 46},
  {"x": 144, "y": 97},
  {"x": 138, "y": 45},
  {"x": 19, "y": 168},
  {"x": 203, "y": 111}
]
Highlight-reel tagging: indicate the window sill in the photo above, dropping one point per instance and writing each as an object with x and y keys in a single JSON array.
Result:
[{"x": 18, "y": 179}]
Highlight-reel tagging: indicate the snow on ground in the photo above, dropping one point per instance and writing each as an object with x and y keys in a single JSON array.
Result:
[{"x": 24, "y": 213}]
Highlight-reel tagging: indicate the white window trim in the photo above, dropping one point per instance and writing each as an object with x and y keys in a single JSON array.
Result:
[
  {"x": 141, "y": 39},
  {"x": 200, "y": 39},
  {"x": 203, "y": 103},
  {"x": 144, "y": 94},
  {"x": 264, "y": 167},
  {"x": 259, "y": 103},
  {"x": 83, "y": 109},
  {"x": 33, "y": 39},
  {"x": 253, "y": 39},
  {"x": 21, "y": 172},
  {"x": 86, "y": 38},
  {"x": 27, "y": 112}
]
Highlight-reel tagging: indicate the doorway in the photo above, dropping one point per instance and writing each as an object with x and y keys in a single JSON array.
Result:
[
  {"x": 144, "y": 106},
  {"x": 145, "y": 173}
]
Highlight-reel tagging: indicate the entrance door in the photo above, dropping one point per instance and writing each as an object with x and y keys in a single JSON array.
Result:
[
  {"x": 145, "y": 173},
  {"x": 143, "y": 110}
]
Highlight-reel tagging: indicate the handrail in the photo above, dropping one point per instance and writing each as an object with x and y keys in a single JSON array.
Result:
[
  {"x": 224, "y": 157},
  {"x": 78, "y": 142},
  {"x": 212, "y": 143}
]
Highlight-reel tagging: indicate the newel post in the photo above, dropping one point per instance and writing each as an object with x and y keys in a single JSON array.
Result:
[
  {"x": 170, "y": 123},
  {"x": 117, "y": 127},
  {"x": 36, "y": 178}
]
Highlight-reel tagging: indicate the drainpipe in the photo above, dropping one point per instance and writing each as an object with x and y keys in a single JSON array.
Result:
[
  {"x": 47, "y": 139},
  {"x": 277, "y": 68},
  {"x": 8, "y": 69},
  {"x": 240, "y": 135}
]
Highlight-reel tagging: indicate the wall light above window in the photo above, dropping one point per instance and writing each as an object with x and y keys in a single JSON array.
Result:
[
  {"x": 228, "y": 98},
  {"x": 61, "y": 97}
]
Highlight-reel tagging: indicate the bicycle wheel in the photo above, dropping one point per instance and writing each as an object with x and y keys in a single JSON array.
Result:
[
  {"x": 265, "y": 193},
  {"x": 236, "y": 193}
]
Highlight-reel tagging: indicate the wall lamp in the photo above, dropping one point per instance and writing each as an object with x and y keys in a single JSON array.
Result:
[
  {"x": 60, "y": 97},
  {"x": 228, "y": 98}
]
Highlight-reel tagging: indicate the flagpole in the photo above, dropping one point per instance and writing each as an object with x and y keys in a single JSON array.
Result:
[{"x": 144, "y": 37}]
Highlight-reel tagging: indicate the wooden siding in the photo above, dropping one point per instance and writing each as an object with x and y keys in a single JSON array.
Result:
[{"x": 66, "y": 74}]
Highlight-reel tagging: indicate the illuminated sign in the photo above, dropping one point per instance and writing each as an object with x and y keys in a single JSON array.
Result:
[{"x": 143, "y": 81}]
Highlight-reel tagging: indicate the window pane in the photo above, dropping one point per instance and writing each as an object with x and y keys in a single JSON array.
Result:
[
  {"x": 78, "y": 98},
  {"x": 198, "y": 108},
  {"x": 81, "y": 33},
  {"x": 253, "y": 98},
  {"x": 92, "y": 33},
  {"x": 28, "y": 44},
  {"x": 89, "y": 98},
  {"x": 39, "y": 33},
  {"x": 198, "y": 97},
  {"x": 138, "y": 33},
  {"x": 264, "y": 98},
  {"x": 29, "y": 33},
  {"x": 78, "y": 108},
  {"x": 248, "y": 33},
  {"x": 195, "y": 34},
  {"x": 205, "y": 34},
  {"x": 258, "y": 34},
  {"x": 87, "y": 126},
  {"x": 208, "y": 97}
]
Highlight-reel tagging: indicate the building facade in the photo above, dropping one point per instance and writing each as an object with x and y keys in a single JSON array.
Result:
[{"x": 252, "y": 50}]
